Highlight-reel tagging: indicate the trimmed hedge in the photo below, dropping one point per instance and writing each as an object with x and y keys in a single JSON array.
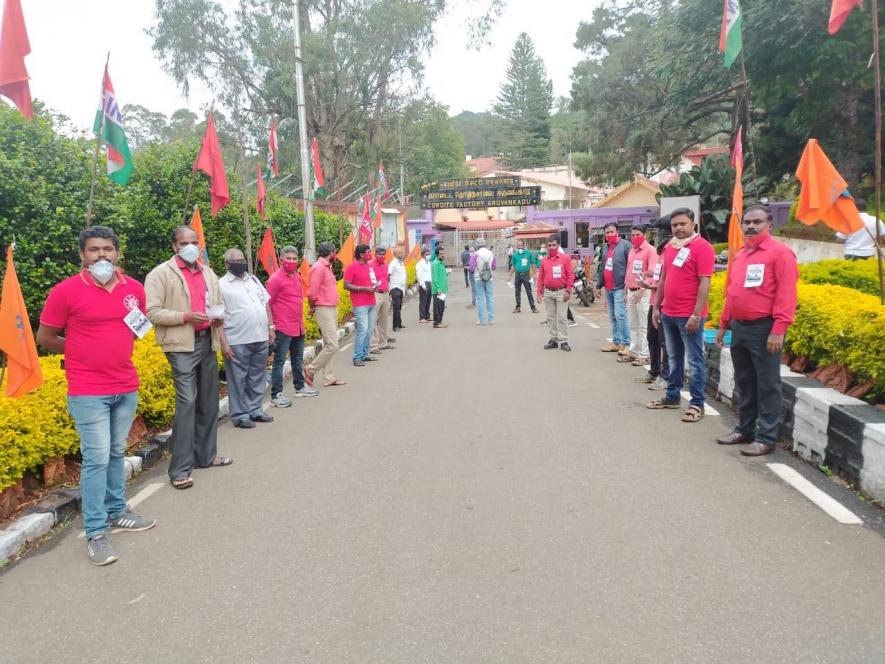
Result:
[
  {"x": 860, "y": 275},
  {"x": 345, "y": 310}
]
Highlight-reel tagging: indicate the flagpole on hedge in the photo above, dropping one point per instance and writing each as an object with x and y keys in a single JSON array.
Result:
[
  {"x": 97, "y": 149},
  {"x": 247, "y": 227},
  {"x": 306, "y": 184},
  {"x": 878, "y": 149}
]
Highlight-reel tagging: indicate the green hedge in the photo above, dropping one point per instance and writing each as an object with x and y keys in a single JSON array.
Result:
[{"x": 860, "y": 275}]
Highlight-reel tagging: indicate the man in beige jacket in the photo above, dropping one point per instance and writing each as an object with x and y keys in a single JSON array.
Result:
[{"x": 185, "y": 304}]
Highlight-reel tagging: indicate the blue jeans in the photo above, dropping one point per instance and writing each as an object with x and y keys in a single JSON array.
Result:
[
  {"x": 103, "y": 423},
  {"x": 294, "y": 347},
  {"x": 485, "y": 300},
  {"x": 679, "y": 344},
  {"x": 365, "y": 321},
  {"x": 617, "y": 314},
  {"x": 472, "y": 278}
]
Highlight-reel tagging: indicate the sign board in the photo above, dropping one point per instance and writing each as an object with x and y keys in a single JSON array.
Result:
[
  {"x": 693, "y": 203},
  {"x": 476, "y": 193}
]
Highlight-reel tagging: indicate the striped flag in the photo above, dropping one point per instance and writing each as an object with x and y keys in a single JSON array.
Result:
[
  {"x": 382, "y": 181},
  {"x": 108, "y": 126},
  {"x": 730, "y": 39},
  {"x": 735, "y": 234},
  {"x": 318, "y": 182},
  {"x": 272, "y": 169}
]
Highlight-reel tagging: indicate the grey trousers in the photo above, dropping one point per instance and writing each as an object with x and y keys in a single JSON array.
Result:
[
  {"x": 195, "y": 429},
  {"x": 555, "y": 308},
  {"x": 758, "y": 379},
  {"x": 246, "y": 380},
  {"x": 382, "y": 317}
]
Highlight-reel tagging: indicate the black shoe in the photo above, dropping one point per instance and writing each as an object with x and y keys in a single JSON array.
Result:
[
  {"x": 565, "y": 346},
  {"x": 535, "y": 311},
  {"x": 262, "y": 418},
  {"x": 370, "y": 359},
  {"x": 551, "y": 345},
  {"x": 244, "y": 424},
  {"x": 516, "y": 310}
]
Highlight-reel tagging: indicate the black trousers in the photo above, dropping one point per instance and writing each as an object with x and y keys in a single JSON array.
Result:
[
  {"x": 757, "y": 376},
  {"x": 569, "y": 314},
  {"x": 466, "y": 278},
  {"x": 424, "y": 302},
  {"x": 396, "y": 303},
  {"x": 657, "y": 349},
  {"x": 523, "y": 279},
  {"x": 439, "y": 308}
]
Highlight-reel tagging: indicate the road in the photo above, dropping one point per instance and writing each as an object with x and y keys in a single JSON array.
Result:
[{"x": 470, "y": 497}]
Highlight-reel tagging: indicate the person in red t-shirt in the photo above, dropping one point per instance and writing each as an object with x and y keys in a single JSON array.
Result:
[
  {"x": 681, "y": 307},
  {"x": 760, "y": 302},
  {"x": 362, "y": 284},
  {"x": 92, "y": 319},
  {"x": 380, "y": 339},
  {"x": 555, "y": 282}
]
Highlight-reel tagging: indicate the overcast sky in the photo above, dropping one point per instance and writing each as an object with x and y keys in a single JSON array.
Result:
[{"x": 70, "y": 40}]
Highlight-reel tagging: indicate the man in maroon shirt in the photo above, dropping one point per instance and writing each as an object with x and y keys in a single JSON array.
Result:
[
  {"x": 555, "y": 281},
  {"x": 760, "y": 301}
]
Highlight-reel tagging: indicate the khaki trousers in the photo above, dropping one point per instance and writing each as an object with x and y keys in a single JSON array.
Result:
[
  {"x": 327, "y": 321},
  {"x": 637, "y": 318},
  {"x": 382, "y": 318},
  {"x": 556, "y": 308}
]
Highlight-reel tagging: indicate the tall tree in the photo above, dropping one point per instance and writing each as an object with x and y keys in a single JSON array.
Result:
[
  {"x": 483, "y": 133},
  {"x": 524, "y": 102}
]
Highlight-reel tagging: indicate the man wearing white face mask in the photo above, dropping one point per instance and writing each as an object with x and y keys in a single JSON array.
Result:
[
  {"x": 185, "y": 303},
  {"x": 92, "y": 319}
]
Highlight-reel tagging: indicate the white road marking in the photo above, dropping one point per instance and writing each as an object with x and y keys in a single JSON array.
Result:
[
  {"x": 708, "y": 409},
  {"x": 138, "y": 498},
  {"x": 593, "y": 325},
  {"x": 827, "y": 503}
]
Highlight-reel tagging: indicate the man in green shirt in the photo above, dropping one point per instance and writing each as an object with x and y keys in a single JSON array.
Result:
[
  {"x": 439, "y": 286},
  {"x": 522, "y": 271}
]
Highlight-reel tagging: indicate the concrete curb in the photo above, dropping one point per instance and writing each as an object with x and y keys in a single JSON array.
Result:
[
  {"x": 823, "y": 426},
  {"x": 64, "y": 504}
]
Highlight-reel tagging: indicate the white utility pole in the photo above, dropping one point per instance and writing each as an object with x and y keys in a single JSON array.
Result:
[{"x": 306, "y": 184}]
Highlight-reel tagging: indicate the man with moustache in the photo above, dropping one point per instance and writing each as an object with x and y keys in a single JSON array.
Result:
[
  {"x": 612, "y": 275},
  {"x": 380, "y": 339}
]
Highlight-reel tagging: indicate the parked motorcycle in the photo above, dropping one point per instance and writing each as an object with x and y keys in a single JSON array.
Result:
[{"x": 584, "y": 292}]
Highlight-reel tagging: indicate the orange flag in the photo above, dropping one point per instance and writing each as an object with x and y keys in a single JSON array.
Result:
[
  {"x": 197, "y": 226},
  {"x": 267, "y": 253},
  {"x": 824, "y": 195},
  {"x": 305, "y": 275},
  {"x": 388, "y": 257},
  {"x": 839, "y": 13},
  {"x": 345, "y": 254},
  {"x": 16, "y": 340},
  {"x": 735, "y": 234},
  {"x": 414, "y": 255}
]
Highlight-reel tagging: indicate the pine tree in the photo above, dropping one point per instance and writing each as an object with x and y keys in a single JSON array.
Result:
[{"x": 524, "y": 103}]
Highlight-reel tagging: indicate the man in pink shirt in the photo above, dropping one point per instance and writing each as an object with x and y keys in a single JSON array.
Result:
[
  {"x": 361, "y": 282},
  {"x": 381, "y": 340},
  {"x": 555, "y": 282},
  {"x": 92, "y": 319},
  {"x": 322, "y": 296},
  {"x": 641, "y": 260},
  {"x": 681, "y": 307},
  {"x": 287, "y": 309}
]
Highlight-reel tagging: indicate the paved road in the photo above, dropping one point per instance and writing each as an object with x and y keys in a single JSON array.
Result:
[{"x": 469, "y": 498}]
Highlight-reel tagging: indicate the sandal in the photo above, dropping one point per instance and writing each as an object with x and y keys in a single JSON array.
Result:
[
  {"x": 660, "y": 404},
  {"x": 693, "y": 414},
  {"x": 335, "y": 383},
  {"x": 182, "y": 483},
  {"x": 220, "y": 461}
]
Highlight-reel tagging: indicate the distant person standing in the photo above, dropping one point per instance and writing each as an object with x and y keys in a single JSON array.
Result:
[
  {"x": 612, "y": 276},
  {"x": 424, "y": 277},
  {"x": 483, "y": 266},
  {"x": 92, "y": 319},
  {"x": 659, "y": 367},
  {"x": 465, "y": 263},
  {"x": 555, "y": 282},
  {"x": 440, "y": 287},
  {"x": 862, "y": 243},
  {"x": 522, "y": 270},
  {"x": 640, "y": 261},
  {"x": 396, "y": 272},
  {"x": 322, "y": 296},
  {"x": 361, "y": 282},
  {"x": 760, "y": 302}
]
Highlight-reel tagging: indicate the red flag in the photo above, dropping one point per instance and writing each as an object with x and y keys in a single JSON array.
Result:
[
  {"x": 16, "y": 340},
  {"x": 262, "y": 192},
  {"x": 210, "y": 162},
  {"x": 345, "y": 254},
  {"x": 14, "y": 46},
  {"x": 365, "y": 223},
  {"x": 824, "y": 194},
  {"x": 197, "y": 227},
  {"x": 376, "y": 223},
  {"x": 267, "y": 253},
  {"x": 735, "y": 234},
  {"x": 839, "y": 13},
  {"x": 305, "y": 275}
]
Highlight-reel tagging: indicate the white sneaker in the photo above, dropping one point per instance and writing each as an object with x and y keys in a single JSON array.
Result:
[
  {"x": 279, "y": 401},
  {"x": 306, "y": 391},
  {"x": 659, "y": 384}
]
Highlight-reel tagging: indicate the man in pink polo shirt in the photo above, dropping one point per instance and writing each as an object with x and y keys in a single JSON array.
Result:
[
  {"x": 92, "y": 319},
  {"x": 681, "y": 307},
  {"x": 381, "y": 340},
  {"x": 322, "y": 296},
  {"x": 641, "y": 260},
  {"x": 287, "y": 309},
  {"x": 360, "y": 280}
]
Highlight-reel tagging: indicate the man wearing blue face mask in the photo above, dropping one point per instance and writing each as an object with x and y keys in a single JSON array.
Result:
[
  {"x": 185, "y": 304},
  {"x": 92, "y": 319}
]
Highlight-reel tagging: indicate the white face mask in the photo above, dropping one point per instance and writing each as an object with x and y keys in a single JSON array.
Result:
[
  {"x": 189, "y": 253},
  {"x": 102, "y": 270}
]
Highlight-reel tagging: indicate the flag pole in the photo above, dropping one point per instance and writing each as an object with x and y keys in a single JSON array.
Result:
[
  {"x": 89, "y": 205},
  {"x": 749, "y": 125},
  {"x": 878, "y": 148},
  {"x": 306, "y": 184},
  {"x": 246, "y": 225}
]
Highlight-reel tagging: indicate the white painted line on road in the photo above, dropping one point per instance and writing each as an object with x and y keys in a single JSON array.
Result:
[
  {"x": 593, "y": 325},
  {"x": 708, "y": 409},
  {"x": 827, "y": 503},
  {"x": 138, "y": 498}
]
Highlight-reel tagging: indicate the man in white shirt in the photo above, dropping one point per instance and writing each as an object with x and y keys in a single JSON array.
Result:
[
  {"x": 396, "y": 271},
  {"x": 862, "y": 244},
  {"x": 248, "y": 331},
  {"x": 422, "y": 272}
]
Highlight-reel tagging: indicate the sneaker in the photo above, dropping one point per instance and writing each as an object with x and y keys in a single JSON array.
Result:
[
  {"x": 100, "y": 550},
  {"x": 517, "y": 310},
  {"x": 479, "y": 322},
  {"x": 305, "y": 392},
  {"x": 550, "y": 345},
  {"x": 564, "y": 346},
  {"x": 131, "y": 522},
  {"x": 491, "y": 322},
  {"x": 647, "y": 379},
  {"x": 659, "y": 384},
  {"x": 280, "y": 401}
]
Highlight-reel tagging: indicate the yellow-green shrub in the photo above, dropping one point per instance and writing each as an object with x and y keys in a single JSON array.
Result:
[
  {"x": 411, "y": 275},
  {"x": 312, "y": 330},
  {"x": 860, "y": 275},
  {"x": 838, "y": 325},
  {"x": 716, "y": 299},
  {"x": 156, "y": 392}
]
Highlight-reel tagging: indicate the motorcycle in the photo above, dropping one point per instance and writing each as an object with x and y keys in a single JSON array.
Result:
[{"x": 584, "y": 292}]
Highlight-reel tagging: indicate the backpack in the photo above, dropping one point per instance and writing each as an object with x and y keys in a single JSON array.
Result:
[{"x": 485, "y": 273}]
